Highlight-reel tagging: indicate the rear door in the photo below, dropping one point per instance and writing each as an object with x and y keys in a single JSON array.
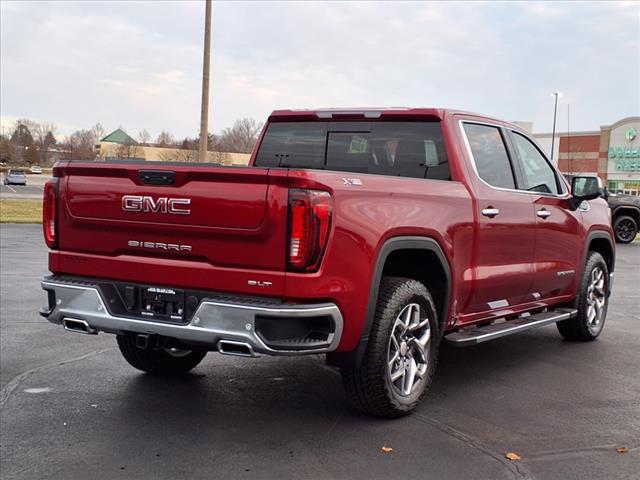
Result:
[
  {"x": 504, "y": 244},
  {"x": 557, "y": 253}
]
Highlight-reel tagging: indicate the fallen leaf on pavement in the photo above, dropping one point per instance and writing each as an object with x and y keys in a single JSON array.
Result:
[
  {"x": 622, "y": 450},
  {"x": 514, "y": 457},
  {"x": 386, "y": 449}
]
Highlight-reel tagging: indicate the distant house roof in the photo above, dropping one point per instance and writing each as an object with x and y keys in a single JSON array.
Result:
[{"x": 119, "y": 136}]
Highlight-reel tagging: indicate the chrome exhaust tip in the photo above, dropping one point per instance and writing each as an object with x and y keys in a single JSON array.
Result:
[
  {"x": 78, "y": 326},
  {"x": 239, "y": 349}
]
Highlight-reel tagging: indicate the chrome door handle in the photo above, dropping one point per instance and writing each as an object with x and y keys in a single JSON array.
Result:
[
  {"x": 490, "y": 212},
  {"x": 543, "y": 213}
]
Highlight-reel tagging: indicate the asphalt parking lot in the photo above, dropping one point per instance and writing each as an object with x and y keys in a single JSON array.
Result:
[
  {"x": 73, "y": 408},
  {"x": 33, "y": 189}
]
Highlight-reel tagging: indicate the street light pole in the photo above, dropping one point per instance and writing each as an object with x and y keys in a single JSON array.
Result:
[
  {"x": 555, "y": 114},
  {"x": 569, "y": 139},
  {"x": 204, "y": 110}
]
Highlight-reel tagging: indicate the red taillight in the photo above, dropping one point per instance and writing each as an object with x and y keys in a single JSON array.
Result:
[
  {"x": 309, "y": 226},
  {"x": 49, "y": 213}
]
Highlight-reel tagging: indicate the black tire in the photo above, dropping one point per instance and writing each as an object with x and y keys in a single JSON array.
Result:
[
  {"x": 369, "y": 387},
  {"x": 158, "y": 361},
  {"x": 625, "y": 229},
  {"x": 580, "y": 328}
]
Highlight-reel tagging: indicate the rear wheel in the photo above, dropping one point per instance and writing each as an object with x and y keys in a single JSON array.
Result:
[
  {"x": 592, "y": 302},
  {"x": 401, "y": 355},
  {"x": 625, "y": 229},
  {"x": 158, "y": 361}
]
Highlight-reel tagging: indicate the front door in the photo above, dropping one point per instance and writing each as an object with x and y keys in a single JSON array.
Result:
[{"x": 557, "y": 253}]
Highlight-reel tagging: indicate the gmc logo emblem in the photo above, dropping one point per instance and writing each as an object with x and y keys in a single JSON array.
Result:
[{"x": 143, "y": 203}]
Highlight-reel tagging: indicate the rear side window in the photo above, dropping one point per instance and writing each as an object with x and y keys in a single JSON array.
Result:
[
  {"x": 490, "y": 155},
  {"x": 406, "y": 149}
]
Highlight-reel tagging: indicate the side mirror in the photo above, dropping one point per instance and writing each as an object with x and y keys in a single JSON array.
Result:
[{"x": 584, "y": 188}]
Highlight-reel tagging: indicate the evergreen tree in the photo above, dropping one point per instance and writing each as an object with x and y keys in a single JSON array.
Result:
[{"x": 22, "y": 136}]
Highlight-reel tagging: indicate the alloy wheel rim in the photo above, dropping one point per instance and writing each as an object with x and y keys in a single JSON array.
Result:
[
  {"x": 596, "y": 300},
  {"x": 408, "y": 349},
  {"x": 624, "y": 229}
]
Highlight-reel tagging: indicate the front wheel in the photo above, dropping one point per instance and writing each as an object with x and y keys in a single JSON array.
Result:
[
  {"x": 625, "y": 229},
  {"x": 592, "y": 302},
  {"x": 158, "y": 361},
  {"x": 401, "y": 355}
]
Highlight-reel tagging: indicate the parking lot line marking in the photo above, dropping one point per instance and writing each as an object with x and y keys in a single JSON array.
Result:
[{"x": 9, "y": 187}]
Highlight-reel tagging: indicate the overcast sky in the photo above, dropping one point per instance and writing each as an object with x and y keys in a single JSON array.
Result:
[{"x": 138, "y": 65}]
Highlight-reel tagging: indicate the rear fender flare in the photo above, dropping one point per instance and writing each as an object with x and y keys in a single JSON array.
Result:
[{"x": 354, "y": 358}]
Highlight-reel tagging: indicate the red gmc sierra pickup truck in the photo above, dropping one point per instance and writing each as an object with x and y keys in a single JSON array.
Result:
[{"x": 368, "y": 235}]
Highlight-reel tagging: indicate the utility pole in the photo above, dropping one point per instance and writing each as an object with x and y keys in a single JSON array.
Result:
[
  {"x": 204, "y": 111},
  {"x": 569, "y": 139},
  {"x": 555, "y": 114}
]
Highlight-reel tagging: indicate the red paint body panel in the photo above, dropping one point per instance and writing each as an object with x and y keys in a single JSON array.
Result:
[
  {"x": 237, "y": 231},
  {"x": 368, "y": 215}
]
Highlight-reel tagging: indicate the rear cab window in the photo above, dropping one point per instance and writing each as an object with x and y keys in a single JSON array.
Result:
[{"x": 405, "y": 149}]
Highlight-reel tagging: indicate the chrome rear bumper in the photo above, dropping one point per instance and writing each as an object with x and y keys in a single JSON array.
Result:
[{"x": 213, "y": 321}]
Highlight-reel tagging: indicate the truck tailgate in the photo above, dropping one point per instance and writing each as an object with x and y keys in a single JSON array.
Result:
[{"x": 211, "y": 216}]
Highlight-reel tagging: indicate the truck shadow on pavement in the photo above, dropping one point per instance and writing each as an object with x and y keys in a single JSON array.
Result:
[{"x": 284, "y": 388}]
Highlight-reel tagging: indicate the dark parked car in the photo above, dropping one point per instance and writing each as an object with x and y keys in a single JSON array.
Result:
[
  {"x": 625, "y": 216},
  {"x": 15, "y": 177},
  {"x": 625, "y": 213}
]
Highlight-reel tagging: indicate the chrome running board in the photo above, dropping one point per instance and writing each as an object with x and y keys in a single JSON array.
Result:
[{"x": 475, "y": 335}]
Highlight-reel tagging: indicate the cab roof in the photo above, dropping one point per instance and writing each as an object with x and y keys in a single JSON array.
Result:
[{"x": 375, "y": 113}]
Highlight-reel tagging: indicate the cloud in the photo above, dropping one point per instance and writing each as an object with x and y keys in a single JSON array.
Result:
[{"x": 140, "y": 65}]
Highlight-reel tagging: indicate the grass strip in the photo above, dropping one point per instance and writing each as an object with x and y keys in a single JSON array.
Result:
[{"x": 20, "y": 211}]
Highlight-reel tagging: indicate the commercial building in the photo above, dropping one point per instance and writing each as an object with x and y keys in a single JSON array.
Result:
[
  {"x": 119, "y": 145},
  {"x": 612, "y": 153}
]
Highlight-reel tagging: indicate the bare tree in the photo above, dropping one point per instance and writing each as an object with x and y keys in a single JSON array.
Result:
[
  {"x": 98, "y": 132},
  {"x": 32, "y": 156},
  {"x": 144, "y": 137},
  {"x": 168, "y": 155},
  {"x": 8, "y": 152},
  {"x": 44, "y": 138},
  {"x": 40, "y": 131},
  {"x": 242, "y": 137},
  {"x": 185, "y": 151},
  {"x": 79, "y": 145},
  {"x": 223, "y": 158},
  {"x": 127, "y": 150},
  {"x": 22, "y": 136},
  {"x": 179, "y": 155},
  {"x": 30, "y": 124},
  {"x": 573, "y": 154},
  {"x": 165, "y": 138}
]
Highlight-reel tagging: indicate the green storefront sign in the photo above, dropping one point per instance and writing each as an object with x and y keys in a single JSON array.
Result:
[
  {"x": 627, "y": 165},
  {"x": 624, "y": 155},
  {"x": 624, "y": 152}
]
